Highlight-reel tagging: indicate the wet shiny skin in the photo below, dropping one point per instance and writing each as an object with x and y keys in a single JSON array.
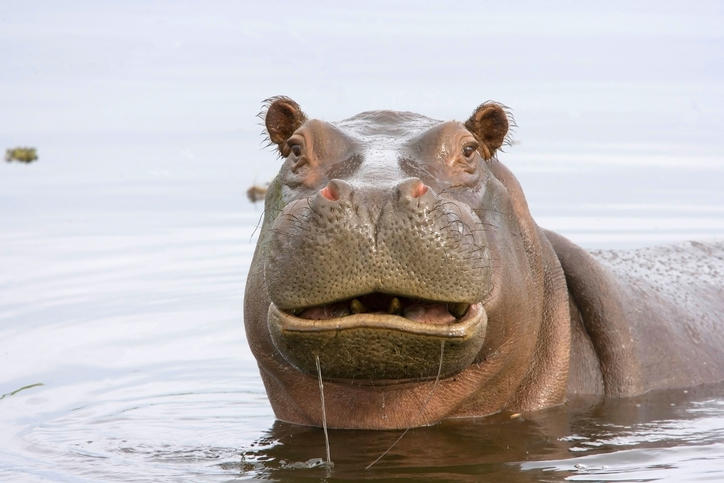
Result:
[
  {"x": 398, "y": 204},
  {"x": 467, "y": 238}
]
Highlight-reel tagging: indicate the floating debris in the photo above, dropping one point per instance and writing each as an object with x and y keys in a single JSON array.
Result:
[
  {"x": 29, "y": 386},
  {"x": 256, "y": 193},
  {"x": 24, "y": 155},
  {"x": 309, "y": 464}
]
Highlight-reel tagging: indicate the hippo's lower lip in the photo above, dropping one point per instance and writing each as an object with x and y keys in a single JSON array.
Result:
[{"x": 378, "y": 347}]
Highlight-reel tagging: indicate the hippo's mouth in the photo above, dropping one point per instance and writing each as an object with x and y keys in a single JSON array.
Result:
[
  {"x": 418, "y": 310},
  {"x": 380, "y": 338}
]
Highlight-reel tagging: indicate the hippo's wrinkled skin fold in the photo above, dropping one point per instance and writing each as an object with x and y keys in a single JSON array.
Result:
[{"x": 399, "y": 251}]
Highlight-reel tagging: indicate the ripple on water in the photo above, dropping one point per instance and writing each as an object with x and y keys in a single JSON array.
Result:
[{"x": 139, "y": 427}]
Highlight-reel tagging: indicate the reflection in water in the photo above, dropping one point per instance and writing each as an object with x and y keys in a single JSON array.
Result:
[
  {"x": 574, "y": 442},
  {"x": 449, "y": 450}
]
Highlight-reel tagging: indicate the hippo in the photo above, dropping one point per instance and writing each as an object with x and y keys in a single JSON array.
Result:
[{"x": 398, "y": 264}]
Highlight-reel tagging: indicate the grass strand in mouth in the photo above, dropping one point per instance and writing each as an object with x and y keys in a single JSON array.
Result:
[
  {"x": 324, "y": 411},
  {"x": 422, "y": 408}
]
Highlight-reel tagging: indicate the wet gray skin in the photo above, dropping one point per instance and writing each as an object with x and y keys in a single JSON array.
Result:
[
  {"x": 398, "y": 252},
  {"x": 370, "y": 231},
  {"x": 375, "y": 254},
  {"x": 379, "y": 240}
]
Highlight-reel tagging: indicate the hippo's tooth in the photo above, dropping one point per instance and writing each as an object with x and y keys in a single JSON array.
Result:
[
  {"x": 357, "y": 307},
  {"x": 458, "y": 309},
  {"x": 395, "y": 306}
]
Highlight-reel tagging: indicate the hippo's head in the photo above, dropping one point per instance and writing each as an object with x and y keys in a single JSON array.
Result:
[{"x": 399, "y": 254}]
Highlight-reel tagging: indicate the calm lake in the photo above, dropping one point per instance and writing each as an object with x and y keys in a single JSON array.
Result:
[{"x": 124, "y": 249}]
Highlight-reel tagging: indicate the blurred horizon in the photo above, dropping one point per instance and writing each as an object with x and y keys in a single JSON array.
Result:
[{"x": 168, "y": 86}]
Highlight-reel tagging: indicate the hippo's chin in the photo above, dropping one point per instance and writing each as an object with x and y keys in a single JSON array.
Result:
[{"x": 378, "y": 348}]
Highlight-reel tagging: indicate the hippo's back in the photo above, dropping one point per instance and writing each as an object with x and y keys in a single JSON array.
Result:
[{"x": 673, "y": 296}]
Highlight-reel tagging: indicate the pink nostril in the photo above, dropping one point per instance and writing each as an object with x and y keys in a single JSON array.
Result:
[
  {"x": 419, "y": 190},
  {"x": 330, "y": 193}
]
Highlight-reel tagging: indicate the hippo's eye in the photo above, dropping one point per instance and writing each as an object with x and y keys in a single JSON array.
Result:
[
  {"x": 469, "y": 150},
  {"x": 296, "y": 149}
]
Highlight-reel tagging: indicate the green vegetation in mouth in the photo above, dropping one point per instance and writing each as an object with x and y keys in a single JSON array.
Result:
[
  {"x": 24, "y": 155},
  {"x": 29, "y": 386}
]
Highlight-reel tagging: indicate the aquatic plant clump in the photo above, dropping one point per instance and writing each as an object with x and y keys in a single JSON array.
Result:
[{"x": 23, "y": 155}]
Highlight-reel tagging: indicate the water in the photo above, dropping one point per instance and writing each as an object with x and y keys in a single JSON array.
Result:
[
  {"x": 124, "y": 249},
  {"x": 670, "y": 436}
]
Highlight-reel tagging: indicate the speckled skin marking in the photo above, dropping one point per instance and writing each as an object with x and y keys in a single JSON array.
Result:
[{"x": 400, "y": 204}]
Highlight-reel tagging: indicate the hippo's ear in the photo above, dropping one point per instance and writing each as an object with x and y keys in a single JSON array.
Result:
[
  {"x": 283, "y": 117},
  {"x": 489, "y": 124}
]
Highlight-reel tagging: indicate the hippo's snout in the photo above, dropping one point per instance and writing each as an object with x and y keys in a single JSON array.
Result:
[
  {"x": 347, "y": 241},
  {"x": 373, "y": 280}
]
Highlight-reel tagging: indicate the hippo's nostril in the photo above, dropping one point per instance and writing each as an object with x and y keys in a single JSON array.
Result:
[
  {"x": 330, "y": 192},
  {"x": 419, "y": 190},
  {"x": 411, "y": 188},
  {"x": 336, "y": 190}
]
